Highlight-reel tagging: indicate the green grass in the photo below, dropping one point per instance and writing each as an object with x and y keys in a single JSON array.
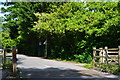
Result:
[
  {"x": 89, "y": 66},
  {"x": 111, "y": 68},
  {"x": 8, "y": 64},
  {"x": 8, "y": 52},
  {"x": 66, "y": 60}
]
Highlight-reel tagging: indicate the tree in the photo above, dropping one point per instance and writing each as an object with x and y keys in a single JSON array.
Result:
[
  {"x": 75, "y": 28},
  {"x": 20, "y": 21},
  {"x": 71, "y": 29},
  {"x": 0, "y": 31}
]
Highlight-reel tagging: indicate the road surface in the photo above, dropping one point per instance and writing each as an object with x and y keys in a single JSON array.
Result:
[{"x": 34, "y": 68}]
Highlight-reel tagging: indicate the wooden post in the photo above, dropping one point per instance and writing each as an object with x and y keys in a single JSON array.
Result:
[
  {"x": 94, "y": 54},
  {"x": 4, "y": 57},
  {"x": 45, "y": 49},
  {"x": 119, "y": 55},
  {"x": 106, "y": 55},
  {"x": 101, "y": 55},
  {"x": 14, "y": 59}
]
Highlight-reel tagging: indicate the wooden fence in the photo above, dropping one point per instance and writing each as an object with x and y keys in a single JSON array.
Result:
[
  {"x": 107, "y": 56},
  {"x": 12, "y": 56}
]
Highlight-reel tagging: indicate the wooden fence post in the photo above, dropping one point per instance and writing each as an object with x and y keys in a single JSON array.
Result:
[
  {"x": 14, "y": 59},
  {"x": 106, "y": 55},
  {"x": 94, "y": 54},
  {"x": 46, "y": 44},
  {"x": 101, "y": 55},
  {"x": 119, "y": 55},
  {"x": 4, "y": 57}
]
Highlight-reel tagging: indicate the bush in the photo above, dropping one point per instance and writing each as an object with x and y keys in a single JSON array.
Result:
[{"x": 83, "y": 58}]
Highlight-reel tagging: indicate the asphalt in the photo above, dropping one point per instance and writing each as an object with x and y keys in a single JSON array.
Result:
[{"x": 35, "y": 68}]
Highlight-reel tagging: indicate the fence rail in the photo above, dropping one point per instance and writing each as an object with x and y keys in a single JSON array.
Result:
[{"x": 107, "y": 56}]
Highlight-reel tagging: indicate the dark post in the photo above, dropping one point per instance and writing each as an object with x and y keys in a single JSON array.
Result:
[
  {"x": 4, "y": 57},
  {"x": 14, "y": 59},
  {"x": 94, "y": 54},
  {"x": 101, "y": 55},
  {"x": 106, "y": 55},
  {"x": 45, "y": 49},
  {"x": 119, "y": 55}
]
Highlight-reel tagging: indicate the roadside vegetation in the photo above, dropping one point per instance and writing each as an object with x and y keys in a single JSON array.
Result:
[{"x": 104, "y": 68}]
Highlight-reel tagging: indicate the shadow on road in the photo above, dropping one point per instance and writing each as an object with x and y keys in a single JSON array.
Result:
[
  {"x": 58, "y": 74},
  {"x": 51, "y": 72},
  {"x": 42, "y": 72}
]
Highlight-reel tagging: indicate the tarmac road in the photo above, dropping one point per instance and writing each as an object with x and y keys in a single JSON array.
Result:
[{"x": 34, "y": 68}]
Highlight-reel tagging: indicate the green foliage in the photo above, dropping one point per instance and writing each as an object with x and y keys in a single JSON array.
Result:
[
  {"x": 7, "y": 41},
  {"x": 74, "y": 28},
  {"x": 20, "y": 22},
  {"x": 79, "y": 58},
  {"x": 0, "y": 31},
  {"x": 8, "y": 64},
  {"x": 83, "y": 58},
  {"x": 110, "y": 68},
  {"x": 71, "y": 29}
]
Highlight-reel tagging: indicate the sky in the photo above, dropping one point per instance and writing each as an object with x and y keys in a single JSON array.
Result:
[
  {"x": 2, "y": 14},
  {"x": 0, "y": 11},
  {"x": 2, "y": 0}
]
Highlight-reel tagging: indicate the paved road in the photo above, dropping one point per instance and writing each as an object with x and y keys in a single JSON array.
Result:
[{"x": 33, "y": 68}]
